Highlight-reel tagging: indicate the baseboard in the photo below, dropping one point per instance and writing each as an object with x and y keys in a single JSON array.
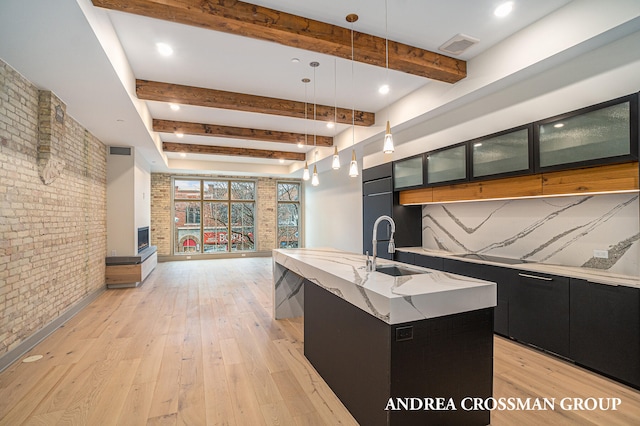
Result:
[
  {"x": 16, "y": 353},
  {"x": 207, "y": 256}
]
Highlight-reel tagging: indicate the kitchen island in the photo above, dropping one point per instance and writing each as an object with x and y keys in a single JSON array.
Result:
[{"x": 386, "y": 344}]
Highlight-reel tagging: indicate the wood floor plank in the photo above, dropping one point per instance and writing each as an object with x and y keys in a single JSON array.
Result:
[
  {"x": 197, "y": 344},
  {"x": 246, "y": 407},
  {"x": 135, "y": 410},
  {"x": 23, "y": 408},
  {"x": 165, "y": 395}
]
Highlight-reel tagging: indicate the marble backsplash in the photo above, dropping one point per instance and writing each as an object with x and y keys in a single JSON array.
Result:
[{"x": 557, "y": 230}]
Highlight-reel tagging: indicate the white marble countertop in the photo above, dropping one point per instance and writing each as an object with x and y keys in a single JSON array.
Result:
[
  {"x": 394, "y": 300},
  {"x": 589, "y": 274}
]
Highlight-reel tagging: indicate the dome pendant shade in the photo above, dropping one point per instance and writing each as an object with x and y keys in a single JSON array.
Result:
[{"x": 388, "y": 140}]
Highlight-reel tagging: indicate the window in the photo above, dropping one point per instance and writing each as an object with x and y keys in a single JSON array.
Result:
[
  {"x": 218, "y": 213},
  {"x": 288, "y": 214}
]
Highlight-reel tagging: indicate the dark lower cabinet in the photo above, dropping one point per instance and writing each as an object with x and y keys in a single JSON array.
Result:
[
  {"x": 366, "y": 361},
  {"x": 605, "y": 329},
  {"x": 425, "y": 261},
  {"x": 539, "y": 312},
  {"x": 432, "y": 262},
  {"x": 595, "y": 325},
  {"x": 404, "y": 257},
  {"x": 504, "y": 278}
]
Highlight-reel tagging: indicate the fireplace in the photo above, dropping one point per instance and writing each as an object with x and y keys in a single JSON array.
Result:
[{"x": 143, "y": 238}]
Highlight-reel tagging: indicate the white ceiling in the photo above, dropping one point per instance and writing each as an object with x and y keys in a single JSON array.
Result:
[{"x": 90, "y": 57}]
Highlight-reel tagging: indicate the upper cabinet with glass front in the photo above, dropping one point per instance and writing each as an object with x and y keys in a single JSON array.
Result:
[
  {"x": 603, "y": 133},
  {"x": 448, "y": 165},
  {"x": 502, "y": 154},
  {"x": 408, "y": 173}
]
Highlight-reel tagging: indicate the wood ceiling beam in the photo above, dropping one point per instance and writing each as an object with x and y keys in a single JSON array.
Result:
[
  {"x": 188, "y": 148},
  {"x": 258, "y": 22},
  {"x": 211, "y": 98},
  {"x": 200, "y": 129}
]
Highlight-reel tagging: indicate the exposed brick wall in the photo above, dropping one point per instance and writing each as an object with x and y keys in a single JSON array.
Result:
[
  {"x": 52, "y": 237},
  {"x": 161, "y": 212}
]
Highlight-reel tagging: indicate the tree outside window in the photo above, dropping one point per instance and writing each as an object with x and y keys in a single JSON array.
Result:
[
  {"x": 214, "y": 216},
  {"x": 288, "y": 214}
]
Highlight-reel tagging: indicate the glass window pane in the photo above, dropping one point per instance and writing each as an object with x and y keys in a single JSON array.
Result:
[
  {"x": 187, "y": 227},
  {"x": 447, "y": 165},
  {"x": 242, "y": 226},
  {"x": 187, "y": 189},
  {"x": 216, "y": 190},
  {"x": 501, "y": 154},
  {"x": 407, "y": 173},
  {"x": 288, "y": 191},
  {"x": 243, "y": 190},
  {"x": 288, "y": 225},
  {"x": 597, "y": 134},
  {"x": 215, "y": 227}
]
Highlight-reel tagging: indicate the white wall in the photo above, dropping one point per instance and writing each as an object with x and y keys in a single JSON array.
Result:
[
  {"x": 128, "y": 202},
  {"x": 142, "y": 199},
  {"x": 121, "y": 239},
  {"x": 333, "y": 210}
]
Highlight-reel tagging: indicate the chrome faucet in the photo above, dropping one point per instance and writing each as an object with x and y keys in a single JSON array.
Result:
[{"x": 371, "y": 266}]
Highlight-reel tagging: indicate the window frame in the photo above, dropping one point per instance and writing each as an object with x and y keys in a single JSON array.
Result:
[
  {"x": 299, "y": 203},
  {"x": 202, "y": 200}
]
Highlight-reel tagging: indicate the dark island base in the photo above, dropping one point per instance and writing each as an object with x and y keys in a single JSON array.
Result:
[{"x": 366, "y": 361}]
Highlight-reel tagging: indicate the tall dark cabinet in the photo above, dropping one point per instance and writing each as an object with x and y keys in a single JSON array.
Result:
[{"x": 378, "y": 198}]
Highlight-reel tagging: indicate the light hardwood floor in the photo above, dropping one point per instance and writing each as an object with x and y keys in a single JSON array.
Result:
[{"x": 196, "y": 345}]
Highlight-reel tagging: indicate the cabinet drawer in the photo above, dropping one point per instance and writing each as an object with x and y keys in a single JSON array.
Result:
[{"x": 539, "y": 311}]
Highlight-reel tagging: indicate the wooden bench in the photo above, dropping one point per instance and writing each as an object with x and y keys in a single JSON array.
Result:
[{"x": 130, "y": 271}]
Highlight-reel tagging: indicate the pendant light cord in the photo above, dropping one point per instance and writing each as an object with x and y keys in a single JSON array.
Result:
[
  {"x": 386, "y": 48},
  {"x": 353, "y": 105}
]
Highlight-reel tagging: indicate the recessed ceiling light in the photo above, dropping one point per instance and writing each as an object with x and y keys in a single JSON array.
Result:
[
  {"x": 164, "y": 49},
  {"x": 182, "y": 154},
  {"x": 180, "y": 135},
  {"x": 281, "y": 160},
  {"x": 475, "y": 145},
  {"x": 174, "y": 107},
  {"x": 295, "y": 60},
  {"x": 331, "y": 125},
  {"x": 504, "y": 9},
  {"x": 384, "y": 89},
  {"x": 558, "y": 125}
]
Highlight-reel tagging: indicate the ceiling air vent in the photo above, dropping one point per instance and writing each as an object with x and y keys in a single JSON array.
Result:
[
  {"x": 458, "y": 44},
  {"x": 119, "y": 150}
]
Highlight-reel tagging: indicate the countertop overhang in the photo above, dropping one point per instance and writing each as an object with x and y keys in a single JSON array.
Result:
[{"x": 394, "y": 300}]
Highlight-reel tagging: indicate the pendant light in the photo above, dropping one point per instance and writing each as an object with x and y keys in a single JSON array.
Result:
[
  {"x": 387, "y": 147},
  {"x": 353, "y": 166},
  {"x": 305, "y": 173},
  {"x": 314, "y": 180},
  {"x": 335, "y": 163}
]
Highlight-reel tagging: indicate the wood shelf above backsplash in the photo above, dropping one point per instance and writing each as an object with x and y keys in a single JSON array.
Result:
[{"x": 599, "y": 179}]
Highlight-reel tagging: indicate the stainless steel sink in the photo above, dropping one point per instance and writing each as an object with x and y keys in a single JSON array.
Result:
[{"x": 398, "y": 271}]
